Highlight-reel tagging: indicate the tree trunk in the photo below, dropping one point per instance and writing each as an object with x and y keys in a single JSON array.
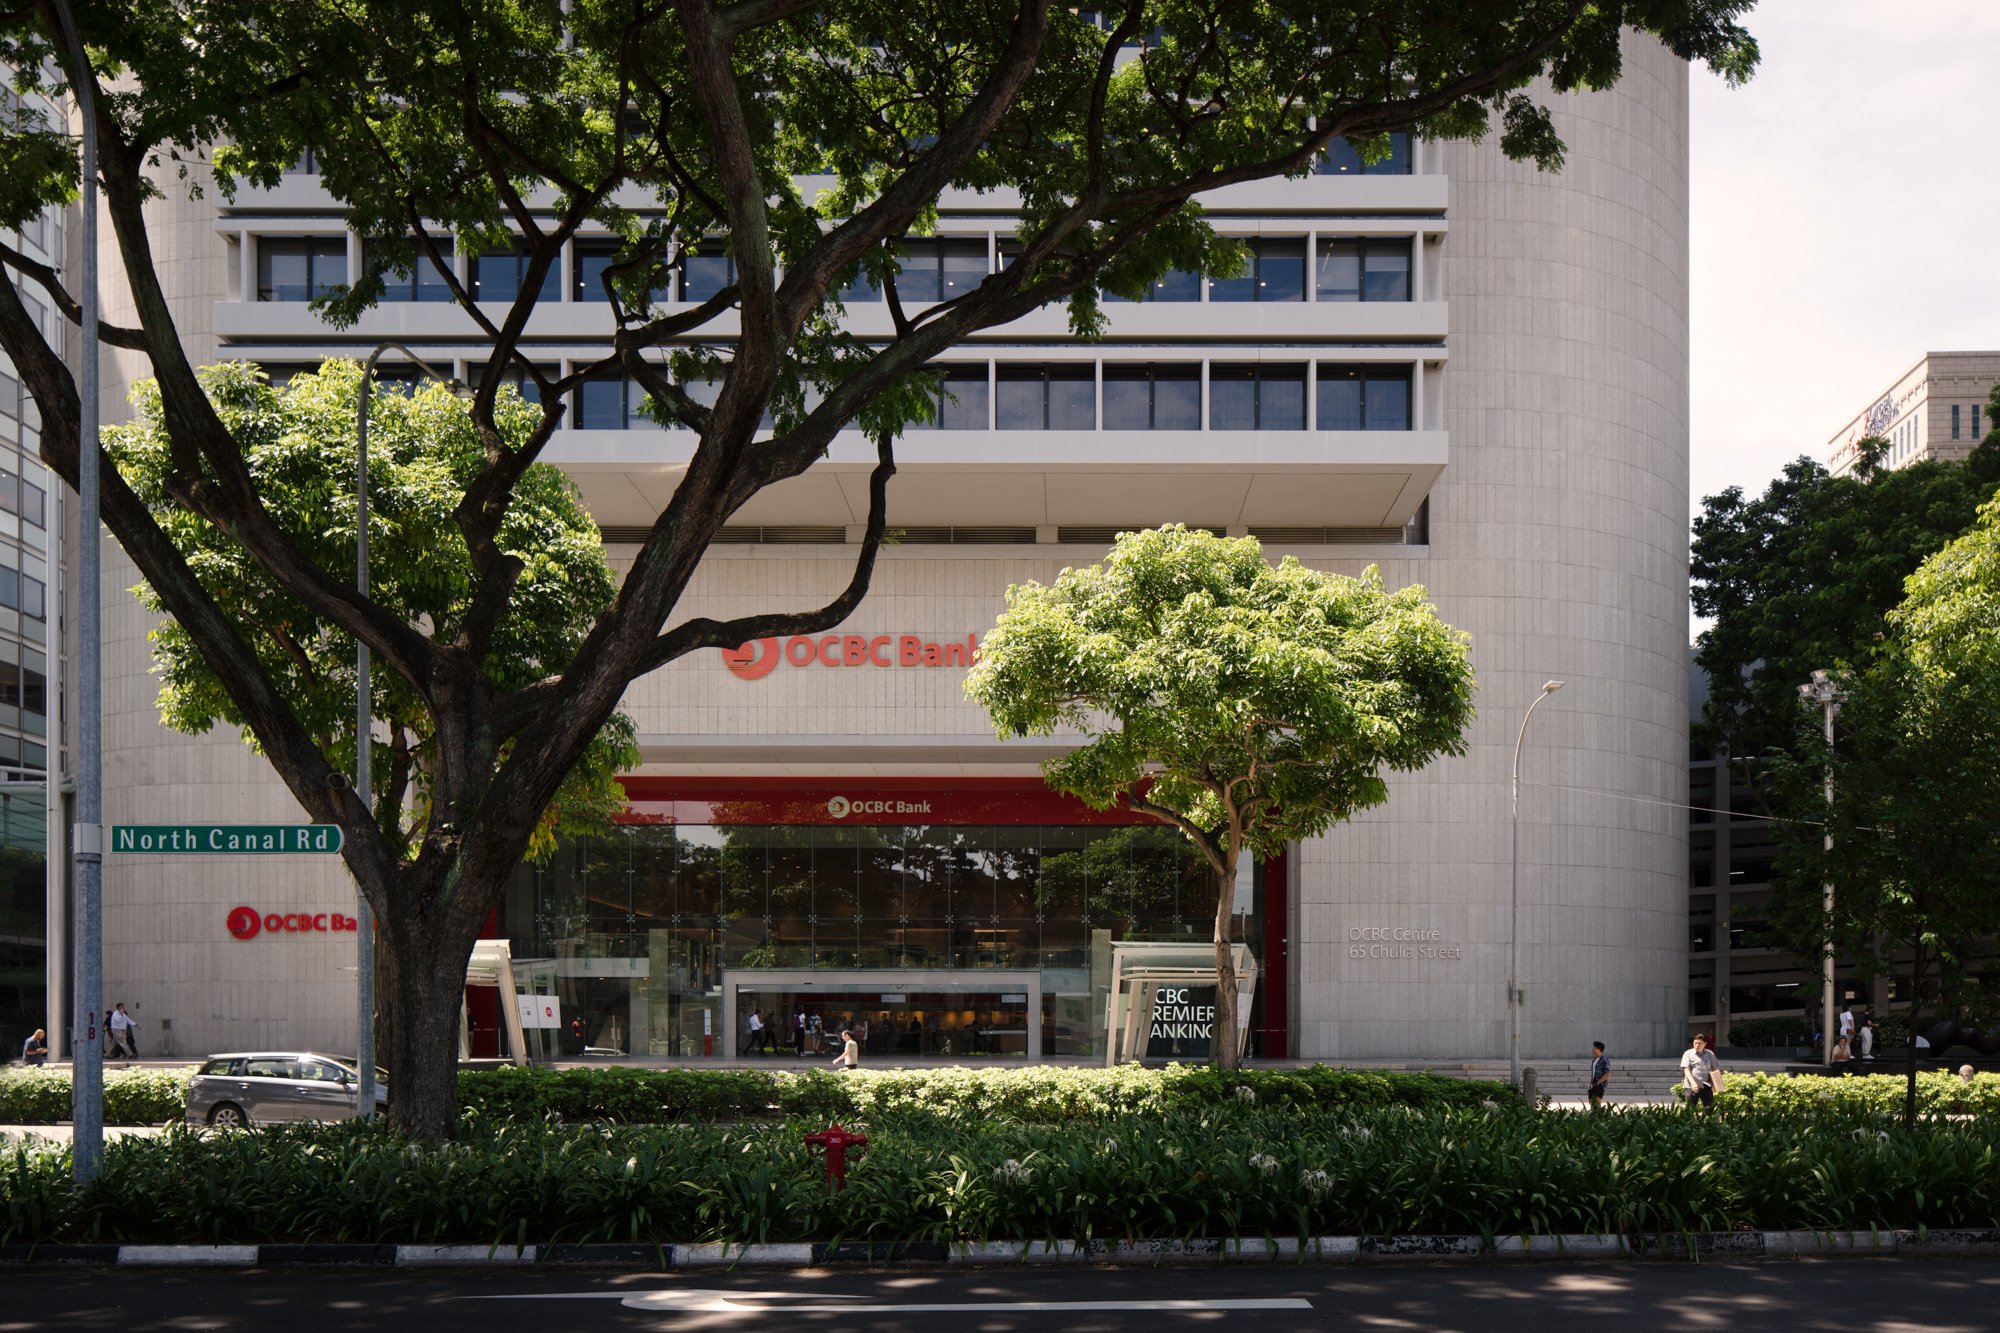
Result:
[
  {"x": 424, "y": 988},
  {"x": 1226, "y": 1054}
]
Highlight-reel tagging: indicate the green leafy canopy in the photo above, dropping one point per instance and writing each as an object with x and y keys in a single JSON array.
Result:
[
  {"x": 298, "y": 441},
  {"x": 1227, "y": 690}
]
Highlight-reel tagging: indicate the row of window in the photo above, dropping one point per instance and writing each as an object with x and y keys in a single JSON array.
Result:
[
  {"x": 1976, "y": 433},
  {"x": 1340, "y": 158},
  {"x": 1065, "y": 396},
  {"x": 302, "y": 268}
]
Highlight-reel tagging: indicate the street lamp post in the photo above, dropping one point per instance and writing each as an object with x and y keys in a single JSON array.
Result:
[
  {"x": 1514, "y": 903},
  {"x": 364, "y": 727},
  {"x": 1822, "y": 690},
  {"x": 87, "y": 834}
]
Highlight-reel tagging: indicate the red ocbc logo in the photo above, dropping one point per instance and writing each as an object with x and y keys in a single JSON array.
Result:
[
  {"x": 760, "y": 657},
  {"x": 244, "y": 922}
]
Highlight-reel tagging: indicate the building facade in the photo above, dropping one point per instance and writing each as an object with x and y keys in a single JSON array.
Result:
[
  {"x": 31, "y": 544},
  {"x": 1936, "y": 410},
  {"x": 1467, "y": 372}
]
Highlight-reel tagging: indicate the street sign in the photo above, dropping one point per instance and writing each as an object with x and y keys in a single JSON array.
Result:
[{"x": 225, "y": 839}]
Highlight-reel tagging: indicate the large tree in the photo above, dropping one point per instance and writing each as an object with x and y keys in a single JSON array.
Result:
[
  {"x": 1914, "y": 858},
  {"x": 1801, "y": 579},
  {"x": 682, "y": 124},
  {"x": 1246, "y": 704}
]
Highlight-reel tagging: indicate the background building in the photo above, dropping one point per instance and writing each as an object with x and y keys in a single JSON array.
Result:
[
  {"x": 31, "y": 514},
  {"x": 1466, "y": 371},
  {"x": 1938, "y": 409}
]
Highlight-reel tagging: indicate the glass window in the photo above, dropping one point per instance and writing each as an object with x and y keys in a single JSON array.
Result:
[
  {"x": 595, "y": 256},
  {"x": 1358, "y": 270},
  {"x": 1276, "y": 271},
  {"x": 1975, "y": 421},
  {"x": 705, "y": 270},
  {"x": 33, "y": 593},
  {"x": 1954, "y": 421},
  {"x": 32, "y": 504},
  {"x": 269, "y": 1067},
  {"x": 424, "y": 283},
  {"x": 321, "y": 1071},
  {"x": 1364, "y": 397},
  {"x": 858, "y": 289},
  {"x": 299, "y": 268},
  {"x": 961, "y": 400},
  {"x": 1341, "y": 158},
  {"x": 938, "y": 268},
  {"x": 307, "y": 164},
  {"x": 498, "y": 275},
  {"x": 1062, "y": 397},
  {"x": 1178, "y": 284},
  {"x": 1152, "y": 397},
  {"x": 523, "y": 382},
  {"x": 604, "y": 402},
  {"x": 1257, "y": 397}
]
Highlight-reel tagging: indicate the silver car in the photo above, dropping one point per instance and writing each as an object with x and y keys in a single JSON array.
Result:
[{"x": 264, "y": 1087}]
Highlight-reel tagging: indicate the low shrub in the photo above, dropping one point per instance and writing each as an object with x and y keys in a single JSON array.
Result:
[
  {"x": 1938, "y": 1093},
  {"x": 41, "y": 1096},
  {"x": 1235, "y": 1169},
  {"x": 1039, "y": 1094}
]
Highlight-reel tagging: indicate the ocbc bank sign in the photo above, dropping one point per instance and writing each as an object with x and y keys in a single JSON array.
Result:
[
  {"x": 246, "y": 923},
  {"x": 760, "y": 657}
]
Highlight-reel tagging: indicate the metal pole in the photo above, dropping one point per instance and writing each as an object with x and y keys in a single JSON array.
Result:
[
  {"x": 86, "y": 840},
  {"x": 1826, "y": 890},
  {"x": 1514, "y": 902},
  {"x": 364, "y": 729}
]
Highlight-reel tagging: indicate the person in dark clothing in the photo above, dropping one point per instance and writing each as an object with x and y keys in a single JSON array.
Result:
[{"x": 1600, "y": 1074}]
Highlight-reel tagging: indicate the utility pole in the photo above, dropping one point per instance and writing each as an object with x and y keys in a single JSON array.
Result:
[{"x": 87, "y": 838}]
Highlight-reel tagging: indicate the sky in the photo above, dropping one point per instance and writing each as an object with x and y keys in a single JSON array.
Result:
[{"x": 1845, "y": 220}]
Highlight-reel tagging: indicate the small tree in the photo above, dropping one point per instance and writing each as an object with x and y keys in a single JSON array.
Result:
[
  {"x": 1247, "y": 705},
  {"x": 1915, "y": 816}
]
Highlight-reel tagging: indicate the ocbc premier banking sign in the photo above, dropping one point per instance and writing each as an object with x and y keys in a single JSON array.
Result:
[{"x": 760, "y": 657}]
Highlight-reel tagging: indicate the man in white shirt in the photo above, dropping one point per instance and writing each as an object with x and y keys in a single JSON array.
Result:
[
  {"x": 756, "y": 1033},
  {"x": 1699, "y": 1071},
  {"x": 124, "y": 1034}
]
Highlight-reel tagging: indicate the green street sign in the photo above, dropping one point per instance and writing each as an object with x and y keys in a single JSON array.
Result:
[{"x": 225, "y": 839}]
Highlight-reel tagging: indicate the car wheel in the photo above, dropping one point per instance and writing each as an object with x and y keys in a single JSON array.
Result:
[{"x": 228, "y": 1115}]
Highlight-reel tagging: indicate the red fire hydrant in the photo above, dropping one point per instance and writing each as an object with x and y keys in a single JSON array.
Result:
[{"x": 836, "y": 1141}]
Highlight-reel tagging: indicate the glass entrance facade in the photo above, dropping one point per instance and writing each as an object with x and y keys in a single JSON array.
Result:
[{"x": 740, "y": 892}]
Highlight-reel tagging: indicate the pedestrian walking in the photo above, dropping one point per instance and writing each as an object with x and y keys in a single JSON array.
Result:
[
  {"x": 755, "y": 1036},
  {"x": 124, "y": 1033},
  {"x": 1868, "y": 1034},
  {"x": 849, "y": 1058},
  {"x": 1846, "y": 1034},
  {"x": 799, "y": 1033},
  {"x": 1700, "y": 1074},
  {"x": 35, "y": 1050},
  {"x": 1600, "y": 1074}
]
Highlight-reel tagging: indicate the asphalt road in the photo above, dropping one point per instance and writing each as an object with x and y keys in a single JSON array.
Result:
[{"x": 1851, "y": 1296}]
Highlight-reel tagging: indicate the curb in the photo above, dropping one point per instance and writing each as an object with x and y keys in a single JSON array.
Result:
[{"x": 1320, "y": 1249}]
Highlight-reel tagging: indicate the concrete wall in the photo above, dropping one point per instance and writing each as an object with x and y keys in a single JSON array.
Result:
[{"x": 1558, "y": 541}]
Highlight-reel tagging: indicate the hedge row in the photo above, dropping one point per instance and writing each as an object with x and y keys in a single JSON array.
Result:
[
  {"x": 41, "y": 1096},
  {"x": 1938, "y": 1093},
  {"x": 1040, "y": 1095},
  {"x": 1232, "y": 1170}
]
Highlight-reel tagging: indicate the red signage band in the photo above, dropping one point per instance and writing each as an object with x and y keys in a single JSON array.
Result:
[
  {"x": 857, "y": 801},
  {"x": 246, "y": 923},
  {"x": 760, "y": 657}
]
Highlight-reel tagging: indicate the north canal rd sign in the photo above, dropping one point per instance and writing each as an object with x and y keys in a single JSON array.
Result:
[{"x": 226, "y": 839}]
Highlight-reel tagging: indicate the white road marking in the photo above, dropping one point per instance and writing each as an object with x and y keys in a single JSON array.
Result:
[{"x": 698, "y": 1300}]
